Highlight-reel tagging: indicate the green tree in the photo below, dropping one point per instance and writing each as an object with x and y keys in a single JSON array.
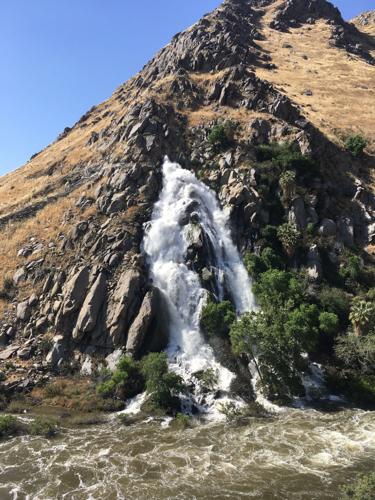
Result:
[
  {"x": 357, "y": 353},
  {"x": 328, "y": 323},
  {"x": 276, "y": 288},
  {"x": 277, "y": 344},
  {"x": 258, "y": 264},
  {"x": 287, "y": 326},
  {"x": 288, "y": 184},
  {"x": 289, "y": 237},
  {"x": 361, "y": 314},
  {"x": 125, "y": 382},
  {"x": 336, "y": 301},
  {"x": 162, "y": 385},
  {"x": 216, "y": 319}
]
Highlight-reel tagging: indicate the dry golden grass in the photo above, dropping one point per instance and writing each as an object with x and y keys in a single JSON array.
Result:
[
  {"x": 24, "y": 185},
  {"x": 368, "y": 28},
  {"x": 45, "y": 226},
  {"x": 343, "y": 86},
  {"x": 208, "y": 114},
  {"x": 77, "y": 393}
]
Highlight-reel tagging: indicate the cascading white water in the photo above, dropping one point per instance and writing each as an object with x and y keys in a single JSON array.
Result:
[{"x": 166, "y": 244}]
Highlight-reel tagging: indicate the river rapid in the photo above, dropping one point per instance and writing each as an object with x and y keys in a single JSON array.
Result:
[{"x": 298, "y": 454}]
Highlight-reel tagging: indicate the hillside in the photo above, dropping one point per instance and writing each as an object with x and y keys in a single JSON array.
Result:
[
  {"x": 365, "y": 22},
  {"x": 75, "y": 284}
]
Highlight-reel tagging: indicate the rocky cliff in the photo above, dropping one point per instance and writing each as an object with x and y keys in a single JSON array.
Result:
[{"x": 75, "y": 285}]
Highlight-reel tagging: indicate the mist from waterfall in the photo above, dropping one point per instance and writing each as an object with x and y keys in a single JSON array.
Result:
[{"x": 166, "y": 244}]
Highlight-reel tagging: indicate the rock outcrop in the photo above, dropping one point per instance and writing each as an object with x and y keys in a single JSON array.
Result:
[
  {"x": 125, "y": 304},
  {"x": 294, "y": 13},
  {"x": 89, "y": 313}
]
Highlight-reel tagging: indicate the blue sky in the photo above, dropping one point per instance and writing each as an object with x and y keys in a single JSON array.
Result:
[{"x": 61, "y": 57}]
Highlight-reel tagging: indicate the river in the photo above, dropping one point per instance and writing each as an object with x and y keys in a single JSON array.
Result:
[{"x": 298, "y": 454}]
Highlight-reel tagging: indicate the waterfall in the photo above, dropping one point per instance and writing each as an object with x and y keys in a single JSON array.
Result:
[{"x": 166, "y": 244}]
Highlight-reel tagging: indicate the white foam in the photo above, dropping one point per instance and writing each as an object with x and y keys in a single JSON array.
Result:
[{"x": 165, "y": 245}]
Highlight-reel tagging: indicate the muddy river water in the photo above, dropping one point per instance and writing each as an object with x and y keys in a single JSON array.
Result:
[{"x": 294, "y": 455}]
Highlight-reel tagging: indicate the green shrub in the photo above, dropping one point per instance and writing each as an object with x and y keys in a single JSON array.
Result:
[
  {"x": 241, "y": 414},
  {"x": 363, "y": 488},
  {"x": 352, "y": 268},
  {"x": 216, "y": 319},
  {"x": 280, "y": 338},
  {"x": 268, "y": 259},
  {"x": 356, "y": 387},
  {"x": 286, "y": 156},
  {"x": 310, "y": 230},
  {"x": 8, "y": 289},
  {"x": 182, "y": 421},
  {"x": 361, "y": 389},
  {"x": 276, "y": 288},
  {"x": 271, "y": 259},
  {"x": 162, "y": 384},
  {"x": 356, "y": 144},
  {"x": 208, "y": 378},
  {"x": 288, "y": 184},
  {"x": 125, "y": 382},
  {"x": 43, "y": 426},
  {"x": 231, "y": 412},
  {"x": 328, "y": 323},
  {"x": 289, "y": 237},
  {"x": 269, "y": 233},
  {"x": 357, "y": 352},
  {"x": 254, "y": 264},
  {"x": 221, "y": 135},
  {"x": 107, "y": 389},
  {"x": 9, "y": 426},
  {"x": 336, "y": 301}
]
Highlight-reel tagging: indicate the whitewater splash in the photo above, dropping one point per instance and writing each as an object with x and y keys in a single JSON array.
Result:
[{"x": 166, "y": 243}]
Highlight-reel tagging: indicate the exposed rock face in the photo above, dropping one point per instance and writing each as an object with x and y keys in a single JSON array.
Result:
[
  {"x": 58, "y": 352},
  {"x": 74, "y": 293},
  {"x": 91, "y": 307},
  {"x": 216, "y": 42},
  {"x": 297, "y": 214},
  {"x": 328, "y": 228},
  {"x": 23, "y": 311},
  {"x": 125, "y": 304},
  {"x": 145, "y": 331},
  {"x": 314, "y": 264}
]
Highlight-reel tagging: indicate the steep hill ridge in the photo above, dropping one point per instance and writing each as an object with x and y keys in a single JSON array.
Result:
[
  {"x": 72, "y": 218},
  {"x": 365, "y": 22}
]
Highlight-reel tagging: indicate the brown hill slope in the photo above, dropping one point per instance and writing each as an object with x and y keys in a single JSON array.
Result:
[
  {"x": 71, "y": 218},
  {"x": 335, "y": 88},
  {"x": 365, "y": 22}
]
